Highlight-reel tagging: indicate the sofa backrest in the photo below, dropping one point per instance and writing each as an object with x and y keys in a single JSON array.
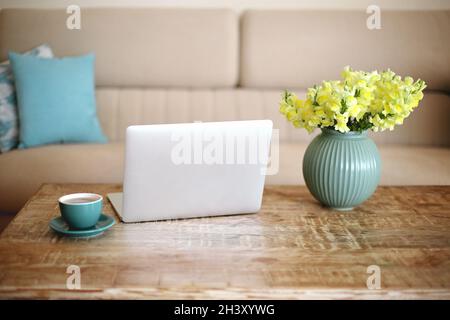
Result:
[
  {"x": 136, "y": 47},
  {"x": 120, "y": 108},
  {"x": 298, "y": 48},
  {"x": 182, "y": 65}
]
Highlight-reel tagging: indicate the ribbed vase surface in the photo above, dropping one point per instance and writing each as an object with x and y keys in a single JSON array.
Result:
[{"x": 341, "y": 170}]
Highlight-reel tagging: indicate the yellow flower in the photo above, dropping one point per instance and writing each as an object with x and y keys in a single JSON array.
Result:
[
  {"x": 291, "y": 115},
  {"x": 409, "y": 81},
  {"x": 341, "y": 123},
  {"x": 299, "y": 103},
  {"x": 350, "y": 101},
  {"x": 334, "y": 106},
  {"x": 319, "y": 112},
  {"x": 354, "y": 110},
  {"x": 378, "y": 101}
]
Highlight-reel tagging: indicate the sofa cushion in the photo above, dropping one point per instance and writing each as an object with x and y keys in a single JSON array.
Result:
[
  {"x": 9, "y": 120},
  {"x": 400, "y": 165},
  {"x": 56, "y": 100},
  {"x": 23, "y": 171},
  {"x": 299, "y": 48},
  {"x": 140, "y": 47},
  {"x": 120, "y": 108}
]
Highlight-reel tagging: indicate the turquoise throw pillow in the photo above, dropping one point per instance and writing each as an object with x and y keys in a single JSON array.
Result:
[
  {"x": 56, "y": 99},
  {"x": 9, "y": 120}
]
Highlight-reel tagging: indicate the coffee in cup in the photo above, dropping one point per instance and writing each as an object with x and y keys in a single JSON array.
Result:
[{"x": 81, "y": 210}]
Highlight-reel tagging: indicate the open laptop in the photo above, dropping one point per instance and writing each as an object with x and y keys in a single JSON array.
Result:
[{"x": 190, "y": 170}]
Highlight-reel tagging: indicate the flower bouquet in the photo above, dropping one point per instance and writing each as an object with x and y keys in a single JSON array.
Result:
[{"x": 341, "y": 166}]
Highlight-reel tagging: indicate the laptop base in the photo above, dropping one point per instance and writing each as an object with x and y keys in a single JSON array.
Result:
[{"x": 116, "y": 200}]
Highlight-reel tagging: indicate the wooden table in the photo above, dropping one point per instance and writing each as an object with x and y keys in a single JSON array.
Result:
[{"x": 293, "y": 248}]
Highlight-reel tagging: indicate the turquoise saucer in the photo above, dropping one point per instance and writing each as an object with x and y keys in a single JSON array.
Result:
[{"x": 60, "y": 226}]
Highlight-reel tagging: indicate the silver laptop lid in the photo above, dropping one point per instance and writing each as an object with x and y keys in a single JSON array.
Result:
[{"x": 195, "y": 169}]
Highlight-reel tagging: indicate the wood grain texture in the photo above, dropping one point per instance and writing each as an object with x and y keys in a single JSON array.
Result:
[{"x": 293, "y": 248}]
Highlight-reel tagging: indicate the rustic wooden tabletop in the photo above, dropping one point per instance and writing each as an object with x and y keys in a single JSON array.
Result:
[{"x": 292, "y": 249}]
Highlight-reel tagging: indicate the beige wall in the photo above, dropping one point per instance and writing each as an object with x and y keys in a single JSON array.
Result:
[{"x": 237, "y": 4}]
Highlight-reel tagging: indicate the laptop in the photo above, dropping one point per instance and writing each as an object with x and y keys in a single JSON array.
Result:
[{"x": 175, "y": 171}]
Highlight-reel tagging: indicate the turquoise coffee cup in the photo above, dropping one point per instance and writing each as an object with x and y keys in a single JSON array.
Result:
[{"x": 81, "y": 210}]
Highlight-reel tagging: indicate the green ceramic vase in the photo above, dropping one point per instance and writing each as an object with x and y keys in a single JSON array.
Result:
[{"x": 341, "y": 170}]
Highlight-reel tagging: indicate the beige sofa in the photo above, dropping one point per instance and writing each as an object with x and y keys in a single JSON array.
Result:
[{"x": 180, "y": 65}]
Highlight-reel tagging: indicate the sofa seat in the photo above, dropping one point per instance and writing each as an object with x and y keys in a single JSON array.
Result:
[
  {"x": 23, "y": 171},
  {"x": 401, "y": 165}
]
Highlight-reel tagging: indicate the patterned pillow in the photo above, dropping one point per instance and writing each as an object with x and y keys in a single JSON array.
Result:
[{"x": 9, "y": 121}]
